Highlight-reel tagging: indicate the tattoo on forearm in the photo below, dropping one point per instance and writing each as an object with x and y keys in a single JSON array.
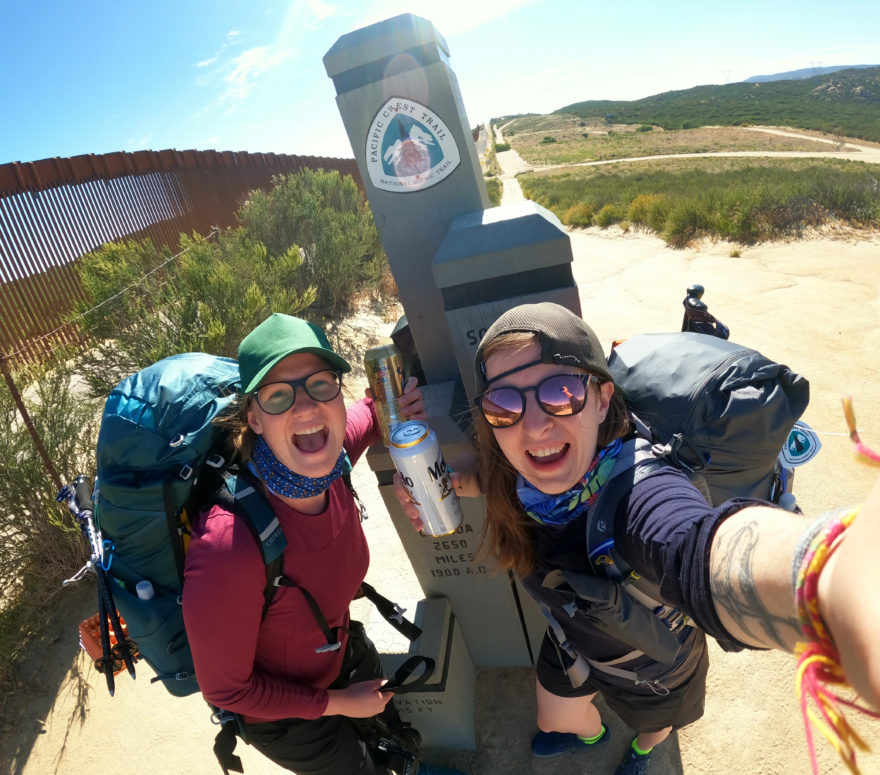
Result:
[{"x": 732, "y": 583}]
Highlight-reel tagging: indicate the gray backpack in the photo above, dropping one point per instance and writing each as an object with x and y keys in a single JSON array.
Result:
[{"x": 718, "y": 410}]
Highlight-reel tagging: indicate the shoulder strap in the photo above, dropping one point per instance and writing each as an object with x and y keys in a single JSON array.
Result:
[
  {"x": 637, "y": 459},
  {"x": 239, "y": 495},
  {"x": 346, "y": 477}
]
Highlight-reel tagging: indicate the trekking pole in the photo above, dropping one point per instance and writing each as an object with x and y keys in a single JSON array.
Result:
[
  {"x": 123, "y": 648},
  {"x": 696, "y": 292},
  {"x": 697, "y": 318},
  {"x": 79, "y": 502},
  {"x": 105, "y": 663}
]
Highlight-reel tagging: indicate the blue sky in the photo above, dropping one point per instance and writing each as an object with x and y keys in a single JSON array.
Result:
[{"x": 247, "y": 75}]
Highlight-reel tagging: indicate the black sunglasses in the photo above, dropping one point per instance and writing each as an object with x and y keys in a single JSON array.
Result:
[
  {"x": 278, "y": 397},
  {"x": 560, "y": 395}
]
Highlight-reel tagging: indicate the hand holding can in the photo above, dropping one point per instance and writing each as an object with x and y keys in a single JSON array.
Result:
[
  {"x": 384, "y": 368},
  {"x": 418, "y": 459}
]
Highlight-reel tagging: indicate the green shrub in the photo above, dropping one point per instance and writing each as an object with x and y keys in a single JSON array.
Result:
[
  {"x": 645, "y": 128},
  {"x": 658, "y": 213},
  {"x": 639, "y": 208},
  {"x": 608, "y": 215},
  {"x": 325, "y": 215},
  {"x": 548, "y": 139},
  {"x": 500, "y": 147},
  {"x": 307, "y": 247},
  {"x": 580, "y": 214},
  {"x": 206, "y": 300},
  {"x": 684, "y": 224},
  {"x": 494, "y": 188},
  {"x": 741, "y": 201},
  {"x": 41, "y": 544}
]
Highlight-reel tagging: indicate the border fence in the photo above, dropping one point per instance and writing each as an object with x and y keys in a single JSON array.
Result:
[{"x": 54, "y": 211}]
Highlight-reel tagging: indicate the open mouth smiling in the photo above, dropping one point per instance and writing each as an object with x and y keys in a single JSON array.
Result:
[
  {"x": 310, "y": 439},
  {"x": 547, "y": 455}
]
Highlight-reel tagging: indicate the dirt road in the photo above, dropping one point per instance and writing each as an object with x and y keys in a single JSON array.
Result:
[{"x": 512, "y": 164}]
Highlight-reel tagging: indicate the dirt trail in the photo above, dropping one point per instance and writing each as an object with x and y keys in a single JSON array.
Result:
[{"x": 512, "y": 164}]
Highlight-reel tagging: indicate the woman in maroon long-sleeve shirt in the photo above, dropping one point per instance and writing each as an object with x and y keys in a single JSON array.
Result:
[{"x": 275, "y": 671}]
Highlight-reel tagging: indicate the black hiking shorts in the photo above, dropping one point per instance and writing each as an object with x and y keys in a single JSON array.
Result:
[{"x": 640, "y": 708}]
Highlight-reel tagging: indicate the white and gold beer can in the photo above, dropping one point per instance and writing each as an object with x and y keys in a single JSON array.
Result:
[
  {"x": 417, "y": 457},
  {"x": 384, "y": 368}
]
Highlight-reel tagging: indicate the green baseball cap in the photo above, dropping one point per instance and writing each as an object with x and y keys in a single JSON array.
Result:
[{"x": 273, "y": 340}]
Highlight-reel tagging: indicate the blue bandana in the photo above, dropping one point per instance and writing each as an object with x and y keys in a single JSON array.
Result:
[
  {"x": 563, "y": 508},
  {"x": 282, "y": 481}
]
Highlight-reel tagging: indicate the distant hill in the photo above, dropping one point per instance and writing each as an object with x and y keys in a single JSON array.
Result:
[
  {"x": 806, "y": 72},
  {"x": 844, "y": 102}
]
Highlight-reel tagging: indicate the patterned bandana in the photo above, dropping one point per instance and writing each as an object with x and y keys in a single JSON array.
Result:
[
  {"x": 563, "y": 508},
  {"x": 282, "y": 481}
]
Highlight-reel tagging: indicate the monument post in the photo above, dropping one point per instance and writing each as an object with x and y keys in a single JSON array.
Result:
[{"x": 458, "y": 264}]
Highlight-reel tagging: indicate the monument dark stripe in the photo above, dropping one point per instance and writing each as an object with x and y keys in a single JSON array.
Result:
[{"x": 508, "y": 286}]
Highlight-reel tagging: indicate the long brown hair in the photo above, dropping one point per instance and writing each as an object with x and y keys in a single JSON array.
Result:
[
  {"x": 507, "y": 531},
  {"x": 233, "y": 425}
]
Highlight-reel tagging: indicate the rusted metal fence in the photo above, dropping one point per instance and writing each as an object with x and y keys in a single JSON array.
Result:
[{"x": 54, "y": 211}]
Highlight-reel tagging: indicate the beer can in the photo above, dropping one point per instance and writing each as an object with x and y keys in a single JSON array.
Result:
[
  {"x": 417, "y": 457},
  {"x": 384, "y": 367}
]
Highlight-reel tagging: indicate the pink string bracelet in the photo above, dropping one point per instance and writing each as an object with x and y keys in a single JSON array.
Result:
[{"x": 818, "y": 665}]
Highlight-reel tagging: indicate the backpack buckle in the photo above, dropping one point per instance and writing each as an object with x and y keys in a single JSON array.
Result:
[
  {"x": 678, "y": 443},
  {"x": 186, "y": 471}
]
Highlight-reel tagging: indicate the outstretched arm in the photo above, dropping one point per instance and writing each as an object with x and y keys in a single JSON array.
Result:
[{"x": 752, "y": 590}]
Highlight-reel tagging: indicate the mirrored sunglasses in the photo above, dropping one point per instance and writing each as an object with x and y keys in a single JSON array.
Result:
[
  {"x": 278, "y": 397},
  {"x": 560, "y": 395}
]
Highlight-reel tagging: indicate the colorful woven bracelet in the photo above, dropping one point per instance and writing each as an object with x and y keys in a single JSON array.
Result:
[{"x": 818, "y": 665}]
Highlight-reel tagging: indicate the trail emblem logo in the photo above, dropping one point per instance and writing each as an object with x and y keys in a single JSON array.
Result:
[
  {"x": 409, "y": 147},
  {"x": 801, "y": 446}
]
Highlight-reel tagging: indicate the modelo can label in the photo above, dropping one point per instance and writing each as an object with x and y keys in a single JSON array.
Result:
[
  {"x": 384, "y": 367},
  {"x": 417, "y": 457}
]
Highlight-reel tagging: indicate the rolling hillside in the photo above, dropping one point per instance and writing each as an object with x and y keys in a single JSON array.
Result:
[{"x": 846, "y": 102}]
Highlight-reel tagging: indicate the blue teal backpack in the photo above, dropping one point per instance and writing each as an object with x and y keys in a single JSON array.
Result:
[{"x": 157, "y": 443}]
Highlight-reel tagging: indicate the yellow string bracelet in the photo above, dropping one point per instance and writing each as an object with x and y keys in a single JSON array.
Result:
[{"x": 818, "y": 665}]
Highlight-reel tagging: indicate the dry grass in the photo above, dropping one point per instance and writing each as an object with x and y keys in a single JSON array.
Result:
[{"x": 579, "y": 140}]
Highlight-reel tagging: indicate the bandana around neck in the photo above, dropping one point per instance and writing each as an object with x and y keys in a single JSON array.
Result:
[
  {"x": 282, "y": 481},
  {"x": 563, "y": 508}
]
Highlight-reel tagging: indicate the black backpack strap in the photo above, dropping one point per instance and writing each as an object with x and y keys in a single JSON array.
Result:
[
  {"x": 240, "y": 495},
  {"x": 172, "y": 521},
  {"x": 346, "y": 477},
  {"x": 391, "y": 612},
  {"x": 400, "y": 682},
  {"x": 226, "y": 739},
  {"x": 636, "y": 460}
]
